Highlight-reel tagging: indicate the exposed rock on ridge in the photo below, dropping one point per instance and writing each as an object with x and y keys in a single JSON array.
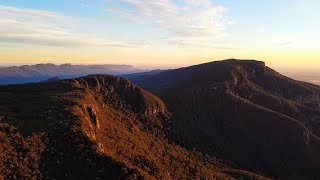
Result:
[{"x": 140, "y": 100}]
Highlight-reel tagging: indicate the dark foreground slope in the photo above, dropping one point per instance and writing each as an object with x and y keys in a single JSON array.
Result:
[
  {"x": 96, "y": 127},
  {"x": 247, "y": 113}
]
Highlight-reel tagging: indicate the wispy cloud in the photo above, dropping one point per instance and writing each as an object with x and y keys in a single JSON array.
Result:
[
  {"x": 187, "y": 21},
  {"x": 28, "y": 26},
  {"x": 282, "y": 42},
  {"x": 261, "y": 29},
  {"x": 309, "y": 6}
]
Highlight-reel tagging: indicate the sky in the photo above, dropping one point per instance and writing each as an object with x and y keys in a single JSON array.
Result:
[{"x": 160, "y": 33}]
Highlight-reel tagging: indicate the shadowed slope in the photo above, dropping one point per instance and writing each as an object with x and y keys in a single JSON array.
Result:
[{"x": 247, "y": 113}]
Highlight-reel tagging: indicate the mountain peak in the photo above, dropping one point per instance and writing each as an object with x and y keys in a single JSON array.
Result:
[
  {"x": 243, "y": 61},
  {"x": 253, "y": 64}
]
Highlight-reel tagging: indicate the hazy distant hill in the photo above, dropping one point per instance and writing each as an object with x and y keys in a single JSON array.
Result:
[
  {"x": 221, "y": 120},
  {"x": 311, "y": 76},
  {"x": 41, "y": 72}
]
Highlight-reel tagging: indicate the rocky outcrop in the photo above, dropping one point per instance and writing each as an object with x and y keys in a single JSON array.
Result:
[
  {"x": 93, "y": 123},
  {"x": 140, "y": 100},
  {"x": 310, "y": 99},
  {"x": 153, "y": 110}
]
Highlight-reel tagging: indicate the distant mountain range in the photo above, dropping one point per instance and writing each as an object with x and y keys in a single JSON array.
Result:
[
  {"x": 232, "y": 119},
  {"x": 42, "y": 72}
]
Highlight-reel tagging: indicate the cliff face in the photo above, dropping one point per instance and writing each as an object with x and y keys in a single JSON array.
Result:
[
  {"x": 100, "y": 94},
  {"x": 74, "y": 127},
  {"x": 140, "y": 100}
]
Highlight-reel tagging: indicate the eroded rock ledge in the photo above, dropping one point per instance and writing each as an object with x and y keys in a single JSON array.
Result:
[{"x": 140, "y": 100}]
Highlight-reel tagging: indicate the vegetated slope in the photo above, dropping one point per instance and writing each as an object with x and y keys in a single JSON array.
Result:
[
  {"x": 42, "y": 72},
  {"x": 246, "y": 113},
  {"x": 96, "y": 127}
]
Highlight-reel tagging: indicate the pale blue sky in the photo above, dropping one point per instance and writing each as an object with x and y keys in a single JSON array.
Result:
[{"x": 159, "y": 32}]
